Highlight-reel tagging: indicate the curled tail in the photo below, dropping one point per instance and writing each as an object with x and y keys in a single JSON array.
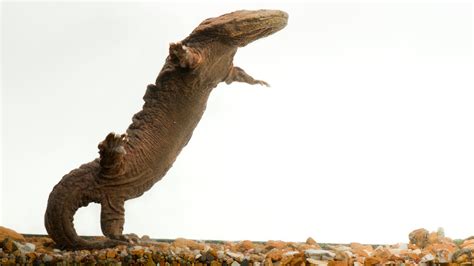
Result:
[{"x": 71, "y": 193}]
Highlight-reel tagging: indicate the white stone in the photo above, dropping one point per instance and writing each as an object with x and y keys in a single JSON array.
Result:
[
  {"x": 319, "y": 252},
  {"x": 220, "y": 254},
  {"x": 235, "y": 255},
  {"x": 25, "y": 248},
  {"x": 350, "y": 254},
  {"x": 343, "y": 248},
  {"x": 396, "y": 251},
  {"x": 291, "y": 253},
  {"x": 47, "y": 258},
  {"x": 427, "y": 257},
  {"x": 30, "y": 246}
]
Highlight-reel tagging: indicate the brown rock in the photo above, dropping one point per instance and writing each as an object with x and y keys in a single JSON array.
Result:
[
  {"x": 137, "y": 252},
  {"x": 396, "y": 258},
  {"x": 245, "y": 245},
  {"x": 470, "y": 247},
  {"x": 303, "y": 247},
  {"x": 181, "y": 242},
  {"x": 257, "y": 258},
  {"x": 469, "y": 244},
  {"x": 111, "y": 253},
  {"x": 102, "y": 255},
  {"x": 355, "y": 245},
  {"x": 297, "y": 260},
  {"x": 358, "y": 261},
  {"x": 311, "y": 241},
  {"x": 462, "y": 258},
  {"x": 8, "y": 245},
  {"x": 419, "y": 237},
  {"x": 361, "y": 250},
  {"x": 433, "y": 238},
  {"x": 338, "y": 263},
  {"x": 382, "y": 254},
  {"x": 367, "y": 248},
  {"x": 409, "y": 254},
  {"x": 342, "y": 255},
  {"x": 31, "y": 257},
  {"x": 275, "y": 254},
  {"x": 41, "y": 250},
  {"x": 6, "y": 232},
  {"x": 229, "y": 261},
  {"x": 162, "y": 246},
  {"x": 371, "y": 261},
  {"x": 275, "y": 244},
  {"x": 268, "y": 262},
  {"x": 437, "y": 247},
  {"x": 187, "y": 255},
  {"x": 285, "y": 260}
]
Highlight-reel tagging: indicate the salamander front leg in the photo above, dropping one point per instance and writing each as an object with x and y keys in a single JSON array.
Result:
[{"x": 239, "y": 75}]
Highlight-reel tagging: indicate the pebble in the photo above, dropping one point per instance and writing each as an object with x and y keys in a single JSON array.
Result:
[
  {"x": 317, "y": 262},
  {"x": 311, "y": 241},
  {"x": 419, "y": 237},
  {"x": 291, "y": 253},
  {"x": 220, "y": 254},
  {"x": 235, "y": 255},
  {"x": 427, "y": 257},
  {"x": 25, "y": 248},
  {"x": 245, "y": 245},
  {"x": 319, "y": 254},
  {"x": 47, "y": 258}
]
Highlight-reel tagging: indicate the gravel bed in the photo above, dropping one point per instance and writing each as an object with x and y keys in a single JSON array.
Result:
[{"x": 424, "y": 248}]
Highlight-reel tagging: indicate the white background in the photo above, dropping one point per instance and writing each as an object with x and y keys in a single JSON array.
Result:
[{"x": 366, "y": 133}]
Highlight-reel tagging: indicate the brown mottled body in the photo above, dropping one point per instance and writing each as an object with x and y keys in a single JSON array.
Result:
[{"x": 131, "y": 163}]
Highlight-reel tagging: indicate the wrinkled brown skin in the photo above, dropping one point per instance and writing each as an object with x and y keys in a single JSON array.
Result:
[{"x": 131, "y": 163}]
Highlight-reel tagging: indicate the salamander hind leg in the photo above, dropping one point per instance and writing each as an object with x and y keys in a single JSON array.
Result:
[{"x": 112, "y": 218}]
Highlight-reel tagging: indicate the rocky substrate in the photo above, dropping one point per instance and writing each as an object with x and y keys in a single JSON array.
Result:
[{"x": 424, "y": 248}]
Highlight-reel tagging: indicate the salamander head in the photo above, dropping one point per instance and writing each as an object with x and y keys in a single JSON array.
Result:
[
  {"x": 239, "y": 28},
  {"x": 209, "y": 50}
]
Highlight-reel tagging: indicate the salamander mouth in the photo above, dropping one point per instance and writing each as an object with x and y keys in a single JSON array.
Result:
[{"x": 240, "y": 28}]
